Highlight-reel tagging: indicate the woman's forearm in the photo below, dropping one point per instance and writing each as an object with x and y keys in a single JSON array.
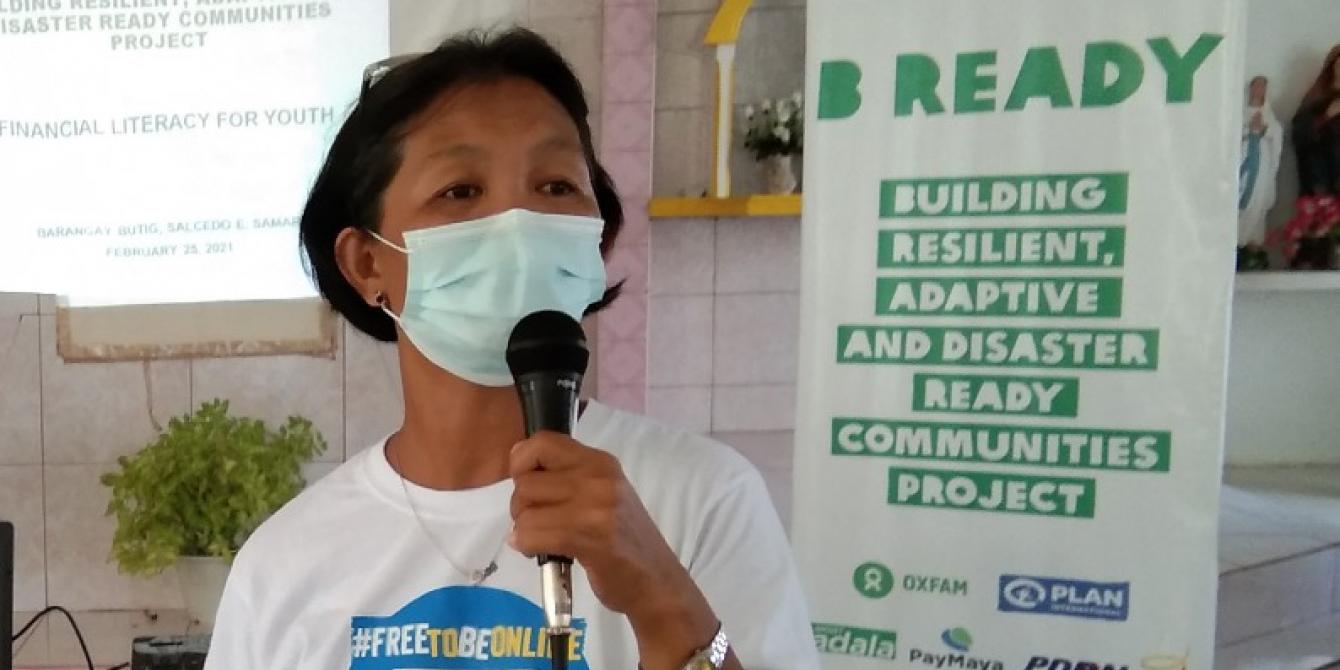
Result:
[{"x": 672, "y": 623}]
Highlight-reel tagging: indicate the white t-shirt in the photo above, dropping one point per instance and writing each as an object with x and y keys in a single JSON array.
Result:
[{"x": 345, "y": 577}]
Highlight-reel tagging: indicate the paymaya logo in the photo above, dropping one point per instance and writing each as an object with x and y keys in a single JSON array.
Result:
[{"x": 958, "y": 639}]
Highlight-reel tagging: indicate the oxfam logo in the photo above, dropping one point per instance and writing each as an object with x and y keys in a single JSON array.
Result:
[
  {"x": 958, "y": 639},
  {"x": 873, "y": 580},
  {"x": 1025, "y": 594}
]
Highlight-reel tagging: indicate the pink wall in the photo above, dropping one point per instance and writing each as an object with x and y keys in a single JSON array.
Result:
[{"x": 627, "y": 115}]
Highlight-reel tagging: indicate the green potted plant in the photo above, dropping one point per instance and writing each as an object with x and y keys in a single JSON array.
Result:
[{"x": 192, "y": 496}]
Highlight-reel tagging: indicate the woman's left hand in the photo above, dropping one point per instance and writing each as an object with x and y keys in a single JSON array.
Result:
[{"x": 572, "y": 500}]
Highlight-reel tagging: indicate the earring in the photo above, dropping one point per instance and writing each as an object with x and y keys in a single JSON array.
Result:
[{"x": 380, "y": 299}]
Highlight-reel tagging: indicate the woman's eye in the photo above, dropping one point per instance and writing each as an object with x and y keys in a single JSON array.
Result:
[
  {"x": 558, "y": 188},
  {"x": 461, "y": 192}
]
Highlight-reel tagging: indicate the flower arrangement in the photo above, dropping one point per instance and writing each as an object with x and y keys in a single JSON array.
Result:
[
  {"x": 1315, "y": 225},
  {"x": 776, "y": 127}
]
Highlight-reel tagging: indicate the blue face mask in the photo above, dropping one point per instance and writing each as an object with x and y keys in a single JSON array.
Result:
[{"x": 469, "y": 283}]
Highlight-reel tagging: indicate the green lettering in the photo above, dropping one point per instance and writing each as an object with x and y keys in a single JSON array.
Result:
[
  {"x": 995, "y": 394},
  {"x": 1064, "y": 447},
  {"x": 1181, "y": 70},
  {"x": 916, "y": 76},
  {"x": 1040, "y": 76},
  {"x": 983, "y": 491},
  {"x": 1096, "y": 90},
  {"x": 1005, "y": 296},
  {"x": 969, "y": 82},
  {"x": 839, "y": 89}
]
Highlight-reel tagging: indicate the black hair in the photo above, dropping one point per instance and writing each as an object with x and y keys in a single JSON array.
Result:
[{"x": 366, "y": 152}]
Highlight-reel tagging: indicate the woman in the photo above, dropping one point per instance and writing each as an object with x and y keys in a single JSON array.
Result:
[
  {"x": 1316, "y": 132},
  {"x": 461, "y": 193}
]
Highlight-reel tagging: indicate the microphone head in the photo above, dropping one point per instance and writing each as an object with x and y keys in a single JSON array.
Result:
[{"x": 547, "y": 341}]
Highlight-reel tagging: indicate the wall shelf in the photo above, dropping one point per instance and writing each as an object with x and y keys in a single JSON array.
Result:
[
  {"x": 750, "y": 205},
  {"x": 1287, "y": 281}
]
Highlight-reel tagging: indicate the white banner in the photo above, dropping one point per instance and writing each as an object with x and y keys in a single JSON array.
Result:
[
  {"x": 1018, "y": 248},
  {"x": 161, "y": 150}
]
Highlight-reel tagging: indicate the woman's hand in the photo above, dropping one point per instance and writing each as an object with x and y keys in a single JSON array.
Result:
[{"x": 572, "y": 500}]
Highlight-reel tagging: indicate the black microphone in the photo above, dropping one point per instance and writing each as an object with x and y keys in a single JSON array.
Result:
[{"x": 547, "y": 355}]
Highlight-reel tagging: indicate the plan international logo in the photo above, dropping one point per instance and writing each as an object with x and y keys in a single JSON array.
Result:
[{"x": 1065, "y": 597}]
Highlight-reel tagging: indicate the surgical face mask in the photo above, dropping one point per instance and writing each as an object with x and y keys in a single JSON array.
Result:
[{"x": 469, "y": 283}]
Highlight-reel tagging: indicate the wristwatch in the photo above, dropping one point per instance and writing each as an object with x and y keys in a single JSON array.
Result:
[{"x": 713, "y": 656}]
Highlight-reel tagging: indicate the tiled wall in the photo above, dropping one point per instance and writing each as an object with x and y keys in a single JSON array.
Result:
[
  {"x": 62, "y": 425},
  {"x": 723, "y": 322},
  {"x": 724, "y": 294},
  {"x": 628, "y": 90},
  {"x": 769, "y": 63}
]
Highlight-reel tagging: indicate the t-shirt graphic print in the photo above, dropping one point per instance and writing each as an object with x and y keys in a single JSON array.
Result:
[{"x": 461, "y": 627}]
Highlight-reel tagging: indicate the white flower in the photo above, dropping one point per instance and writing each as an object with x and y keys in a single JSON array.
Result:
[
  {"x": 767, "y": 105},
  {"x": 784, "y": 115},
  {"x": 783, "y": 134},
  {"x": 749, "y": 111},
  {"x": 797, "y": 99}
]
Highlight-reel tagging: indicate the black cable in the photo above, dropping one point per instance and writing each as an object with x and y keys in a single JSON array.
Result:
[
  {"x": 31, "y": 622},
  {"x": 79, "y": 635}
]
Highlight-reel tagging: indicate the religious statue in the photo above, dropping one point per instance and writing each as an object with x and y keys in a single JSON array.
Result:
[
  {"x": 1262, "y": 141},
  {"x": 1309, "y": 240},
  {"x": 1316, "y": 132}
]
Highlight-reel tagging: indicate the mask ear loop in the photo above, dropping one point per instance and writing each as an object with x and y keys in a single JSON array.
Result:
[
  {"x": 382, "y": 302},
  {"x": 384, "y": 305},
  {"x": 387, "y": 242}
]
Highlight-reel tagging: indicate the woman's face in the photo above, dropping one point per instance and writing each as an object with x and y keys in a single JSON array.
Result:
[{"x": 479, "y": 150}]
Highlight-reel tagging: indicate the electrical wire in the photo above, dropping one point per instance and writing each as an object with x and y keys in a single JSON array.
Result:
[{"x": 79, "y": 635}]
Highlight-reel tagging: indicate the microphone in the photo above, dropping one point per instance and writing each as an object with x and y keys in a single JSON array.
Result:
[{"x": 547, "y": 355}]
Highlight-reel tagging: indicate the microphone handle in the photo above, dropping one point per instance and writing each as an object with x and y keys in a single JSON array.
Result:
[{"x": 549, "y": 402}]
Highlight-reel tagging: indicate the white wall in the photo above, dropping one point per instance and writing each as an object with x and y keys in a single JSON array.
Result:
[
  {"x": 418, "y": 25},
  {"x": 1284, "y": 347},
  {"x": 1287, "y": 41},
  {"x": 1284, "y": 378}
]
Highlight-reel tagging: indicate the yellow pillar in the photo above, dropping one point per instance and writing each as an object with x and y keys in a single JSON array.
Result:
[{"x": 723, "y": 34}]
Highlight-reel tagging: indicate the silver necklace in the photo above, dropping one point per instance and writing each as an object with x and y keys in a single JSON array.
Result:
[{"x": 476, "y": 576}]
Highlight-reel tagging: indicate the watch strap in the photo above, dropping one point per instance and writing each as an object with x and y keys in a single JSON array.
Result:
[{"x": 713, "y": 655}]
